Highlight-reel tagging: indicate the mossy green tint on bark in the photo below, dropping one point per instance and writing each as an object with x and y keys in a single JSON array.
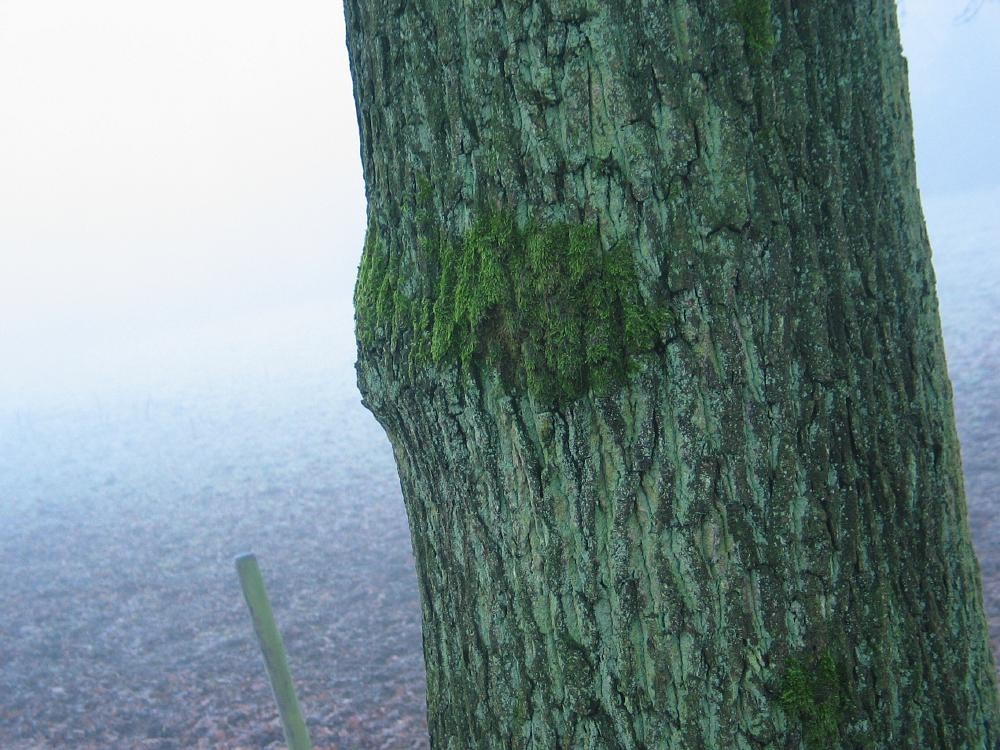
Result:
[
  {"x": 648, "y": 315},
  {"x": 811, "y": 694},
  {"x": 755, "y": 18},
  {"x": 546, "y": 306}
]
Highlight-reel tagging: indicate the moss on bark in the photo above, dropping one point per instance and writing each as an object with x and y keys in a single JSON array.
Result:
[
  {"x": 756, "y": 19},
  {"x": 548, "y": 306},
  {"x": 812, "y": 696}
]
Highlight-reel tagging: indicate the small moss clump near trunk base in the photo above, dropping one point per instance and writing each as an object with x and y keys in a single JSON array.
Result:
[
  {"x": 754, "y": 16},
  {"x": 812, "y": 694}
]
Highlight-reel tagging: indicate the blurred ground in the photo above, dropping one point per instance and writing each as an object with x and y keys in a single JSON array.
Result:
[
  {"x": 121, "y": 620},
  {"x": 965, "y": 235}
]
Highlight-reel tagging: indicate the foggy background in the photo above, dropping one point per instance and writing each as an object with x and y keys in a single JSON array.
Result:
[
  {"x": 166, "y": 169},
  {"x": 181, "y": 218}
]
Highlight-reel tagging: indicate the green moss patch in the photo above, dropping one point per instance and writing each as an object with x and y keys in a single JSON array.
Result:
[
  {"x": 811, "y": 693},
  {"x": 755, "y": 16},
  {"x": 548, "y": 306}
]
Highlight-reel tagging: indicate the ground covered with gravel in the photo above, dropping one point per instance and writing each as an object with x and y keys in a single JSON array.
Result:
[{"x": 121, "y": 619}]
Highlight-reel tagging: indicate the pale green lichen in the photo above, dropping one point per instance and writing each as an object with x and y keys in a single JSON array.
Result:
[{"x": 547, "y": 306}]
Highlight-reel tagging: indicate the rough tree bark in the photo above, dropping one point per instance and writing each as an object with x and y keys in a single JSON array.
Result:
[{"x": 647, "y": 311}]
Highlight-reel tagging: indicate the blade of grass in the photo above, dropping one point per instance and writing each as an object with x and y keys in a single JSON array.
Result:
[{"x": 296, "y": 734}]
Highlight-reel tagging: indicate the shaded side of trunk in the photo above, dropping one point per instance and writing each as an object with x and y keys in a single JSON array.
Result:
[{"x": 647, "y": 312}]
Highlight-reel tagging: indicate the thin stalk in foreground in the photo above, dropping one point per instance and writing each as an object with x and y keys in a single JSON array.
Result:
[{"x": 296, "y": 733}]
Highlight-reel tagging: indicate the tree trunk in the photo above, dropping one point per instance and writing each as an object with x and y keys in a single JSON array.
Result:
[{"x": 647, "y": 311}]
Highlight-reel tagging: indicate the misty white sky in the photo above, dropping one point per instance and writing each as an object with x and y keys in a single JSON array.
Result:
[{"x": 165, "y": 166}]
